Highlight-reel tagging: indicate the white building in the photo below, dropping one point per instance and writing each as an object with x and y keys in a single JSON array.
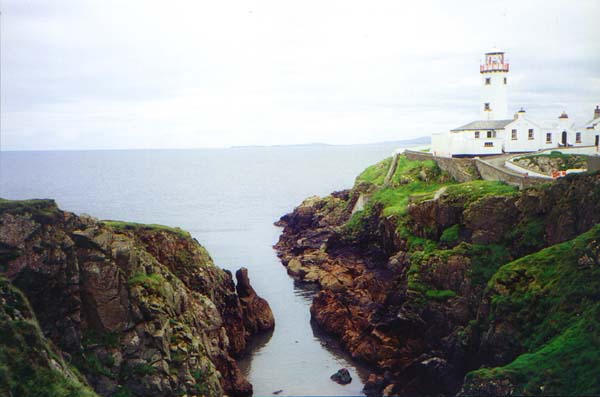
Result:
[
  {"x": 496, "y": 133},
  {"x": 591, "y": 130}
]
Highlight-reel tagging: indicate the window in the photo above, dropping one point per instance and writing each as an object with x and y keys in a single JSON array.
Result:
[
  {"x": 488, "y": 81},
  {"x": 488, "y": 144},
  {"x": 530, "y": 134},
  {"x": 578, "y": 137},
  {"x": 514, "y": 135},
  {"x": 491, "y": 134},
  {"x": 549, "y": 137},
  {"x": 486, "y": 106},
  {"x": 505, "y": 80},
  {"x": 476, "y": 134}
]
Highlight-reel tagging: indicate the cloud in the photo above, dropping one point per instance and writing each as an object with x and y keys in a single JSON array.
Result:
[{"x": 139, "y": 74}]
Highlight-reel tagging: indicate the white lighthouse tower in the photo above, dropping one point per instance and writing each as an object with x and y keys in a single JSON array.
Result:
[{"x": 494, "y": 79}]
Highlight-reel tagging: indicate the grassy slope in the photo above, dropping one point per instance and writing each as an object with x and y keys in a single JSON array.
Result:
[
  {"x": 120, "y": 225},
  {"x": 553, "y": 296},
  {"x": 558, "y": 306},
  {"x": 415, "y": 181},
  {"x": 26, "y": 357}
]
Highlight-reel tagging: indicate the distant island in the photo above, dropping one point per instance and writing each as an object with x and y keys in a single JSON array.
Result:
[{"x": 425, "y": 140}]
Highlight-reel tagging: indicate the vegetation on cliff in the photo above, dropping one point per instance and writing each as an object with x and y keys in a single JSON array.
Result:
[
  {"x": 554, "y": 161},
  {"x": 551, "y": 300},
  {"x": 138, "y": 309},
  {"x": 29, "y": 365},
  {"x": 433, "y": 279}
]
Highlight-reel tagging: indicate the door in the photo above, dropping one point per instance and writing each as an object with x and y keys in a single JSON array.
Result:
[
  {"x": 597, "y": 140},
  {"x": 564, "y": 138}
]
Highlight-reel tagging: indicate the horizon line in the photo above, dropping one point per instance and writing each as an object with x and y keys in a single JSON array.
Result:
[{"x": 219, "y": 147}]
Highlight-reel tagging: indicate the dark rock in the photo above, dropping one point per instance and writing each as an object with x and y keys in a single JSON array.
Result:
[
  {"x": 374, "y": 385},
  {"x": 424, "y": 316},
  {"x": 342, "y": 377},
  {"x": 258, "y": 316},
  {"x": 146, "y": 305}
]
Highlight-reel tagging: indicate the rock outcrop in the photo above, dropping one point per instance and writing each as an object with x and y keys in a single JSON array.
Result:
[
  {"x": 139, "y": 310},
  {"x": 29, "y": 365},
  {"x": 403, "y": 282}
]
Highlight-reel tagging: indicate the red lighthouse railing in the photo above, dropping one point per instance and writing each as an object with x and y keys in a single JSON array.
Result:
[{"x": 494, "y": 67}]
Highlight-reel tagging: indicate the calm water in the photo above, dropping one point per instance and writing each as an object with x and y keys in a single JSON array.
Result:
[{"x": 228, "y": 199}]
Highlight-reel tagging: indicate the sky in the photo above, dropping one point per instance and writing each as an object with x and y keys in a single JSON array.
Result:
[{"x": 114, "y": 74}]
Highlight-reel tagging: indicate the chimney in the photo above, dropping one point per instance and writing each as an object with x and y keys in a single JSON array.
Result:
[
  {"x": 597, "y": 112},
  {"x": 520, "y": 114}
]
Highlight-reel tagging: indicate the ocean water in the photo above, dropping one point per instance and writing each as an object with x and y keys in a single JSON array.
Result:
[{"x": 228, "y": 199}]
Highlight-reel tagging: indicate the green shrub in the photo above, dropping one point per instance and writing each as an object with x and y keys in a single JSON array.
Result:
[
  {"x": 450, "y": 235},
  {"x": 440, "y": 295},
  {"x": 150, "y": 281}
]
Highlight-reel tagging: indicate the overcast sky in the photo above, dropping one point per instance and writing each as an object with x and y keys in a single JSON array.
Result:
[{"x": 183, "y": 74}]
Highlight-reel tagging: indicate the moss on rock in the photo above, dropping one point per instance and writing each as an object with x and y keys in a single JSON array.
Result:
[{"x": 29, "y": 365}]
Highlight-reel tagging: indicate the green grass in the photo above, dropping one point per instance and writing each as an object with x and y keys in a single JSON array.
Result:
[
  {"x": 24, "y": 354},
  {"x": 474, "y": 190},
  {"x": 376, "y": 173},
  {"x": 552, "y": 299},
  {"x": 395, "y": 200},
  {"x": 149, "y": 281},
  {"x": 406, "y": 171},
  {"x": 411, "y": 170},
  {"x": 201, "y": 379},
  {"x": 92, "y": 337},
  {"x": 566, "y": 365},
  {"x": 485, "y": 260},
  {"x": 41, "y": 210},
  {"x": 440, "y": 295},
  {"x": 528, "y": 236},
  {"x": 94, "y": 365},
  {"x": 450, "y": 236},
  {"x": 132, "y": 226}
]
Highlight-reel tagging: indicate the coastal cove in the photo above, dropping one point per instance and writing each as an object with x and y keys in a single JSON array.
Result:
[{"x": 228, "y": 200}]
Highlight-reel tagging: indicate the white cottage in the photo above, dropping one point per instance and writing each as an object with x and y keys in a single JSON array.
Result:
[
  {"x": 495, "y": 133},
  {"x": 591, "y": 129}
]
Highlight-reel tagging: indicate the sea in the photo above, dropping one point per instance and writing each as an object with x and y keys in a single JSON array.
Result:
[{"x": 228, "y": 199}]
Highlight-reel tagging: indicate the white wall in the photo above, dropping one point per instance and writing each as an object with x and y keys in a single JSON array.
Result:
[
  {"x": 495, "y": 95},
  {"x": 523, "y": 143},
  {"x": 465, "y": 143},
  {"x": 440, "y": 144}
]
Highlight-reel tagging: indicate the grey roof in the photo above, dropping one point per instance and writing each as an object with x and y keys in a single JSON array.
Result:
[
  {"x": 592, "y": 123},
  {"x": 485, "y": 125}
]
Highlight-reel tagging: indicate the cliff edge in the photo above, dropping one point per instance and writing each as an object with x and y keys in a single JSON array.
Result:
[
  {"x": 138, "y": 310},
  {"x": 443, "y": 287}
]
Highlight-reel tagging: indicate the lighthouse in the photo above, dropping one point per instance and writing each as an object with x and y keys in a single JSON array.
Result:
[{"x": 494, "y": 80}]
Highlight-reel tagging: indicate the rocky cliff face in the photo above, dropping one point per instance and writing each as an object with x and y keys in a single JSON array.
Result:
[
  {"x": 29, "y": 365},
  {"x": 406, "y": 283},
  {"x": 140, "y": 310}
]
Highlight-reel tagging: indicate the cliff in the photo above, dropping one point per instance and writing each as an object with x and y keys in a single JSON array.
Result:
[
  {"x": 29, "y": 365},
  {"x": 139, "y": 310},
  {"x": 434, "y": 282}
]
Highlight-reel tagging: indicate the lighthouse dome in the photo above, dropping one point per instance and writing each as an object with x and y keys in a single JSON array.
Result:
[{"x": 495, "y": 50}]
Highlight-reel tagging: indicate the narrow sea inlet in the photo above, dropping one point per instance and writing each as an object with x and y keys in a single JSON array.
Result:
[{"x": 228, "y": 199}]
